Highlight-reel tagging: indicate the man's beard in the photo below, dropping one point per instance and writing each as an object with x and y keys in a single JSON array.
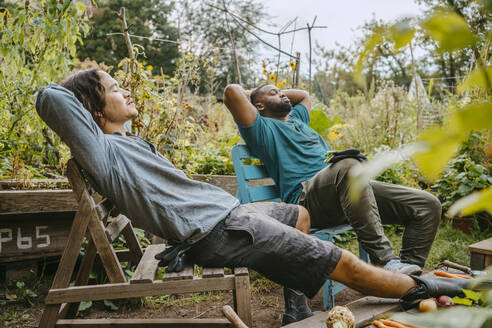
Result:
[{"x": 283, "y": 108}]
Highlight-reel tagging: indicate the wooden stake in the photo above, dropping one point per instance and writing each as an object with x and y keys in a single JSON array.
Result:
[
  {"x": 297, "y": 71},
  {"x": 233, "y": 317}
]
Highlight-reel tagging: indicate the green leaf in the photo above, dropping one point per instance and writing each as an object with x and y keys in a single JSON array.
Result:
[
  {"x": 110, "y": 305},
  {"x": 320, "y": 122},
  {"x": 476, "y": 202},
  {"x": 442, "y": 145},
  {"x": 478, "y": 78},
  {"x": 462, "y": 301},
  {"x": 84, "y": 305},
  {"x": 233, "y": 141},
  {"x": 475, "y": 116},
  {"x": 402, "y": 33},
  {"x": 371, "y": 43},
  {"x": 470, "y": 294},
  {"x": 361, "y": 174},
  {"x": 450, "y": 30}
]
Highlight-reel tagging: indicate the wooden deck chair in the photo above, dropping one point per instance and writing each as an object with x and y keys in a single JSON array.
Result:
[
  {"x": 247, "y": 193},
  {"x": 94, "y": 220}
]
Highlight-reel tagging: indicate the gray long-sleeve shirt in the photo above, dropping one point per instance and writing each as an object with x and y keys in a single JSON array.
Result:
[{"x": 140, "y": 182}]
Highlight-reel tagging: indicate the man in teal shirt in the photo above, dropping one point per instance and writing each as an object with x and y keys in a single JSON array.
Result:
[{"x": 274, "y": 125}]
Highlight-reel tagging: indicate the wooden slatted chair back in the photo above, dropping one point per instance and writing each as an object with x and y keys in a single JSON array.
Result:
[{"x": 247, "y": 173}]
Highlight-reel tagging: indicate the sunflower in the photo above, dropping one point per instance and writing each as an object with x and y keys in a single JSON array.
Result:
[
  {"x": 272, "y": 78},
  {"x": 265, "y": 72},
  {"x": 292, "y": 65},
  {"x": 278, "y": 85},
  {"x": 284, "y": 83},
  {"x": 263, "y": 64}
]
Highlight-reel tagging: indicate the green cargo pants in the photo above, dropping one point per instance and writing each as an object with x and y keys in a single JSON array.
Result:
[{"x": 326, "y": 197}]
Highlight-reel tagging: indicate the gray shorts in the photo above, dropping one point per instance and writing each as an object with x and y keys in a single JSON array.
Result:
[{"x": 262, "y": 236}]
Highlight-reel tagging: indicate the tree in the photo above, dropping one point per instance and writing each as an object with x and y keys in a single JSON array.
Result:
[
  {"x": 452, "y": 64},
  {"x": 147, "y": 18},
  {"x": 207, "y": 31},
  {"x": 334, "y": 72}
]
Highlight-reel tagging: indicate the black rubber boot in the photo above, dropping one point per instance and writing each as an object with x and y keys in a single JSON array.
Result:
[
  {"x": 435, "y": 287},
  {"x": 296, "y": 306}
]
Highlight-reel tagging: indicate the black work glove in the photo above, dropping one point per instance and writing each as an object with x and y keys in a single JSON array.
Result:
[
  {"x": 349, "y": 153},
  {"x": 435, "y": 287},
  {"x": 172, "y": 257}
]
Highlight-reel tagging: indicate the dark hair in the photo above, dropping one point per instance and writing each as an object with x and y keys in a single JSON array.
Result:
[
  {"x": 256, "y": 93},
  {"x": 87, "y": 88}
]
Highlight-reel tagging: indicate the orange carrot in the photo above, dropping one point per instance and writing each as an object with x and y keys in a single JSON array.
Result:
[
  {"x": 379, "y": 324},
  {"x": 405, "y": 323},
  {"x": 396, "y": 324},
  {"x": 450, "y": 275}
]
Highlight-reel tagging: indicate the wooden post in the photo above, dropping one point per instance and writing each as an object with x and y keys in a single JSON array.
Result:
[
  {"x": 128, "y": 41},
  {"x": 310, "y": 27},
  {"x": 297, "y": 70},
  {"x": 242, "y": 295}
]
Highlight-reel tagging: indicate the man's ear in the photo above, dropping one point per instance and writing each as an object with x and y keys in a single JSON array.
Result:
[{"x": 260, "y": 106}]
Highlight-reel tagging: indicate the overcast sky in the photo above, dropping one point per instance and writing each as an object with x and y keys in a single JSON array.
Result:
[{"x": 342, "y": 17}]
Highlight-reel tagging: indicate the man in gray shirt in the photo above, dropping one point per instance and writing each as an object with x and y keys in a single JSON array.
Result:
[{"x": 90, "y": 117}]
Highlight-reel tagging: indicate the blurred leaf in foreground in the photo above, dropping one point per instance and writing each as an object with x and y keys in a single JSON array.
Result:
[
  {"x": 450, "y": 30},
  {"x": 360, "y": 175},
  {"x": 473, "y": 203}
]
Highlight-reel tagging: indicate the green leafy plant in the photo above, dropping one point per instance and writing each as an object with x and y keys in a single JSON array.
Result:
[
  {"x": 23, "y": 294},
  {"x": 466, "y": 172},
  {"x": 37, "y": 46}
]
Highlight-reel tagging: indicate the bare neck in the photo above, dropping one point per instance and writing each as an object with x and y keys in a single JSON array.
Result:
[{"x": 112, "y": 127}]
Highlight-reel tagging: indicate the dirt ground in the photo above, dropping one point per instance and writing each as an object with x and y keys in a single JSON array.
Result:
[{"x": 267, "y": 307}]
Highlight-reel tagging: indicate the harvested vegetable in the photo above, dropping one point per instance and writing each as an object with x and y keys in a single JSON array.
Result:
[
  {"x": 428, "y": 305},
  {"x": 444, "y": 301},
  {"x": 450, "y": 275},
  {"x": 340, "y": 317},
  {"x": 392, "y": 323},
  {"x": 409, "y": 325},
  {"x": 379, "y": 324}
]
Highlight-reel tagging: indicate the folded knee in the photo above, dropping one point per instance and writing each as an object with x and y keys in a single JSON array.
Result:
[
  {"x": 433, "y": 208},
  {"x": 303, "y": 220},
  {"x": 346, "y": 164}
]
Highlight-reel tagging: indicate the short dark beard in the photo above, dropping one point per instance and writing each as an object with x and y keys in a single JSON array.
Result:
[{"x": 282, "y": 108}]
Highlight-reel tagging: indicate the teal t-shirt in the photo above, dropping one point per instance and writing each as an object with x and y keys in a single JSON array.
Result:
[{"x": 291, "y": 151}]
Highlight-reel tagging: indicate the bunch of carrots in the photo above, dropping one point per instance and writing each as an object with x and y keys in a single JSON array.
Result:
[{"x": 392, "y": 323}]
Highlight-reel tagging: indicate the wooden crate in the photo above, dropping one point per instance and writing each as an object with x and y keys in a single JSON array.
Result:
[{"x": 481, "y": 254}]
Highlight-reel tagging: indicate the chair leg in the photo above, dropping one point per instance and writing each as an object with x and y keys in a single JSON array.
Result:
[
  {"x": 242, "y": 298},
  {"x": 328, "y": 295},
  {"x": 70, "y": 310},
  {"x": 364, "y": 256},
  {"x": 50, "y": 316}
]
